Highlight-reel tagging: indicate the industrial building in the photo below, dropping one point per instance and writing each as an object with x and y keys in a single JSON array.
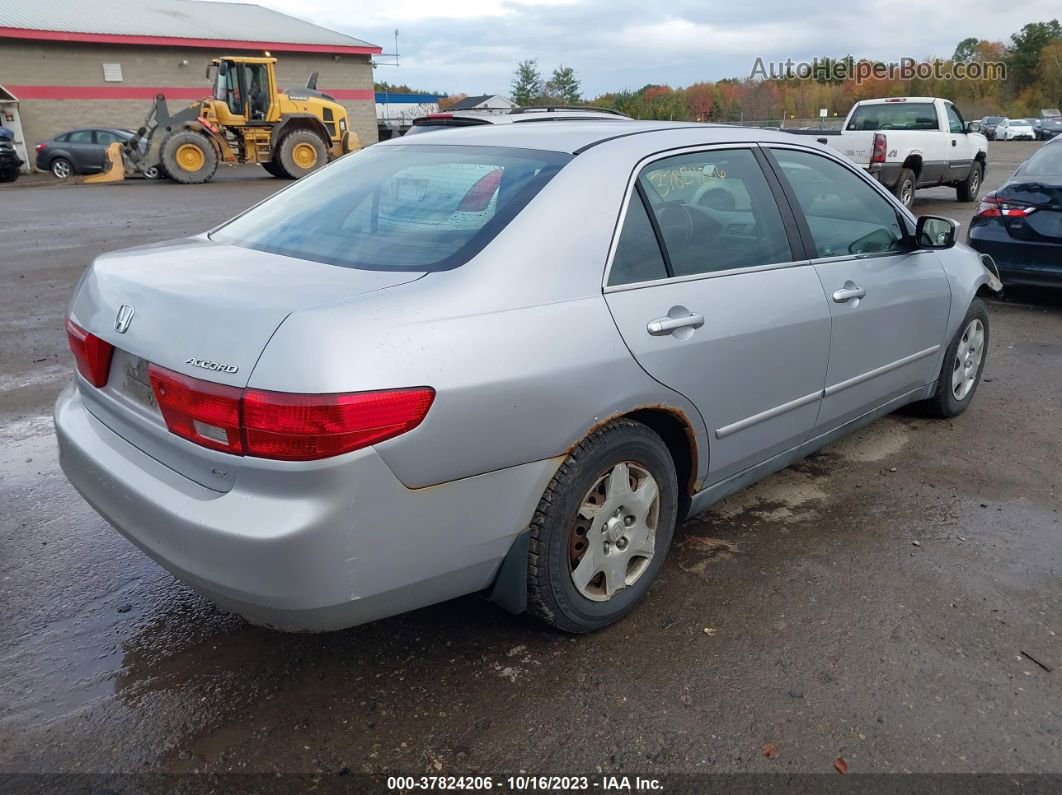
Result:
[{"x": 66, "y": 64}]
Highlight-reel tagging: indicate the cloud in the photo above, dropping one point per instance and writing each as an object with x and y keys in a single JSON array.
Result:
[{"x": 472, "y": 46}]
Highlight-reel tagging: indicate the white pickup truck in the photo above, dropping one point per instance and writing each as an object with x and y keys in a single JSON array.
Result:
[{"x": 912, "y": 142}]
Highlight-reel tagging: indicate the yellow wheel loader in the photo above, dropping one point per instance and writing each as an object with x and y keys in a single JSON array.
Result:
[{"x": 247, "y": 120}]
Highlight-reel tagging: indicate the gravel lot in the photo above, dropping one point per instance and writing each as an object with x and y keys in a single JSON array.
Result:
[{"x": 894, "y": 600}]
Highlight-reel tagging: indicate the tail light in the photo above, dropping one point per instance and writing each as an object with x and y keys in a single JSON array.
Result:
[
  {"x": 199, "y": 411},
  {"x": 880, "y": 145},
  {"x": 278, "y": 425},
  {"x": 39, "y": 147},
  {"x": 93, "y": 355},
  {"x": 992, "y": 206}
]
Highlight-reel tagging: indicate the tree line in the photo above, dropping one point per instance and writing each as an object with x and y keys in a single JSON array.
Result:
[{"x": 1033, "y": 60}]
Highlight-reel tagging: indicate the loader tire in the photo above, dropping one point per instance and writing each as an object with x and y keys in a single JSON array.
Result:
[
  {"x": 299, "y": 153},
  {"x": 189, "y": 158},
  {"x": 274, "y": 170}
]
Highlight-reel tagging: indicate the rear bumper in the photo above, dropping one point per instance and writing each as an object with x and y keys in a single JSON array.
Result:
[
  {"x": 888, "y": 174},
  {"x": 1020, "y": 262},
  {"x": 304, "y": 549}
]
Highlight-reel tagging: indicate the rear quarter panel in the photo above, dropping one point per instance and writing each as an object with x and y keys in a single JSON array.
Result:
[{"x": 518, "y": 343}]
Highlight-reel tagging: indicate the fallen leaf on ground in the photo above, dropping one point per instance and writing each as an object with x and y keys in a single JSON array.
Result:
[
  {"x": 770, "y": 750},
  {"x": 840, "y": 765}
]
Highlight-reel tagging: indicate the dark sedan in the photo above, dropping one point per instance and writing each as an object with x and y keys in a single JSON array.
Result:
[
  {"x": 1050, "y": 126},
  {"x": 79, "y": 151},
  {"x": 1020, "y": 224}
]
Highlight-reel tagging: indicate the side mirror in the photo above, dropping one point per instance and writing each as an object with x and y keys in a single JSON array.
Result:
[
  {"x": 935, "y": 232},
  {"x": 973, "y": 126}
]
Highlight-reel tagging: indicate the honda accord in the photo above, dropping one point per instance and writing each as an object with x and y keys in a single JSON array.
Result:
[{"x": 505, "y": 360}]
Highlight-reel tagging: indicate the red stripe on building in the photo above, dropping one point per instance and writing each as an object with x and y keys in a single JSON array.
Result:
[
  {"x": 177, "y": 41},
  {"x": 147, "y": 92}
]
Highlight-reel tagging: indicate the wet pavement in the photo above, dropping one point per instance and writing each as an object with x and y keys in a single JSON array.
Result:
[{"x": 894, "y": 600}]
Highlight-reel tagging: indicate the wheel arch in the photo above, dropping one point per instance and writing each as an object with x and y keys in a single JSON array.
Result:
[
  {"x": 914, "y": 163},
  {"x": 509, "y": 588},
  {"x": 298, "y": 121}
]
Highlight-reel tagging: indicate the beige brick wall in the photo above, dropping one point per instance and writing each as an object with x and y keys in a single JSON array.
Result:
[{"x": 75, "y": 64}]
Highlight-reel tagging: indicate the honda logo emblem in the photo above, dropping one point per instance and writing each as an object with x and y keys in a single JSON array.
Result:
[{"x": 124, "y": 318}]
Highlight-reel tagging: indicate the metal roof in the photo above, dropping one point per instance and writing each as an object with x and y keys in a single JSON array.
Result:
[{"x": 165, "y": 20}]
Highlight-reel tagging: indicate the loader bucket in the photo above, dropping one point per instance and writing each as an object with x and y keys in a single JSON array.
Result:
[{"x": 114, "y": 166}]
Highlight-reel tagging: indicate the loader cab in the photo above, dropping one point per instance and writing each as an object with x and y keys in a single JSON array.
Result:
[{"x": 244, "y": 90}]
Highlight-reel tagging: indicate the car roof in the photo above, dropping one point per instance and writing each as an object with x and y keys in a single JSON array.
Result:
[
  {"x": 574, "y": 136},
  {"x": 520, "y": 115}
]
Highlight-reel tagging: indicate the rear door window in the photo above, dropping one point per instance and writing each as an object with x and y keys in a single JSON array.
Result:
[
  {"x": 397, "y": 207},
  {"x": 715, "y": 212},
  {"x": 80, "y": 137},
  {"x": 638, "y": 257}
]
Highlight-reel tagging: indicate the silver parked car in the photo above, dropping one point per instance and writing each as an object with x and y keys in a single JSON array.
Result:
[{"x": 504, "y": 359}]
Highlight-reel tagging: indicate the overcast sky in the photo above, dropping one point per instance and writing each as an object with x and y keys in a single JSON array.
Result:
[{"x": 472, "y": 46}]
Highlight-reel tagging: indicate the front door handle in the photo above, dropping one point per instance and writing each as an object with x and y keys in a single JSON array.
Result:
[
  {"x": 663, "y": 326},
  {"x": 848, "y": 292}
]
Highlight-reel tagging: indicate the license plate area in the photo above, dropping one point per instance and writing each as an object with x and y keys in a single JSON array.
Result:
[{"x": 136, "y": 384}]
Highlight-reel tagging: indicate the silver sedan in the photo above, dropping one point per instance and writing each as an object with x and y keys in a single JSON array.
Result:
[{"x": 502, "y": 359}]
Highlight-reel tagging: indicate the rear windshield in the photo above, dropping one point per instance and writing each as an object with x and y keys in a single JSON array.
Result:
[
  {"x": 1045, "y": 162},
  {"x": 894, "y": 116},
  {"x": 397, "y": 207}
]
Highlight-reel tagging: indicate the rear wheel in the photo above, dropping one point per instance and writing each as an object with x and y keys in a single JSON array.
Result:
[
  {"x": 10, "y": 175},
  {"x": 967, "y": 190},
  {"x": 299, "y": 153},
  {"x": 904, "y": 189},
  {"x": 602, "y": 528},
  {"x": 62, "y": 168},
  {"x": 964, "y": 361},
  {"x": 189, "y": 157}
]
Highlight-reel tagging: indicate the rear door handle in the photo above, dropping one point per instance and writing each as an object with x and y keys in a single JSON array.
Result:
[
  {"x": 663, "y": 326},
  {"x": 848, "y": 292}
]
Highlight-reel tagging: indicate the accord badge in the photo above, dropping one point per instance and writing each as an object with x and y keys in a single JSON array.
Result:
[{"x": 217, "y": 367}]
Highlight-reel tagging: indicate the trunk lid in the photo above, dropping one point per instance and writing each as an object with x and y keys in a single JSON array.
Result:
[
  {"x": 1044, "y": 225},
  {"x": 200, "y": 308}
]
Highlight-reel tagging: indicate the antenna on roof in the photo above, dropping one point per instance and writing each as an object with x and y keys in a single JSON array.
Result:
[{"x": 388, "y": 55}]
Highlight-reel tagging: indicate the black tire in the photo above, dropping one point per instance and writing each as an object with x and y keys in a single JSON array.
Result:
[
  {"x": 274, "y": 170},
  {"x": 200, "y": 169},
  {"x": 286, "y": 159},
  {"x": 552, "y": 594},
  {"x": 904, "y": 189},
  {"x": 944, "y": 403},
  {"x": 967, "y": 190},
  {"x": 9, "y": 176},
  {"x": 61, "y": 168}
]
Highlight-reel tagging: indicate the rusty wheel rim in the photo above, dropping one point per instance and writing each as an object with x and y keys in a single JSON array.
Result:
[{"x": 612, "y": 540}]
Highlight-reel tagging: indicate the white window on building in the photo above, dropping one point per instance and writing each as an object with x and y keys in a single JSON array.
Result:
[{"x": 112, "y": 73}]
